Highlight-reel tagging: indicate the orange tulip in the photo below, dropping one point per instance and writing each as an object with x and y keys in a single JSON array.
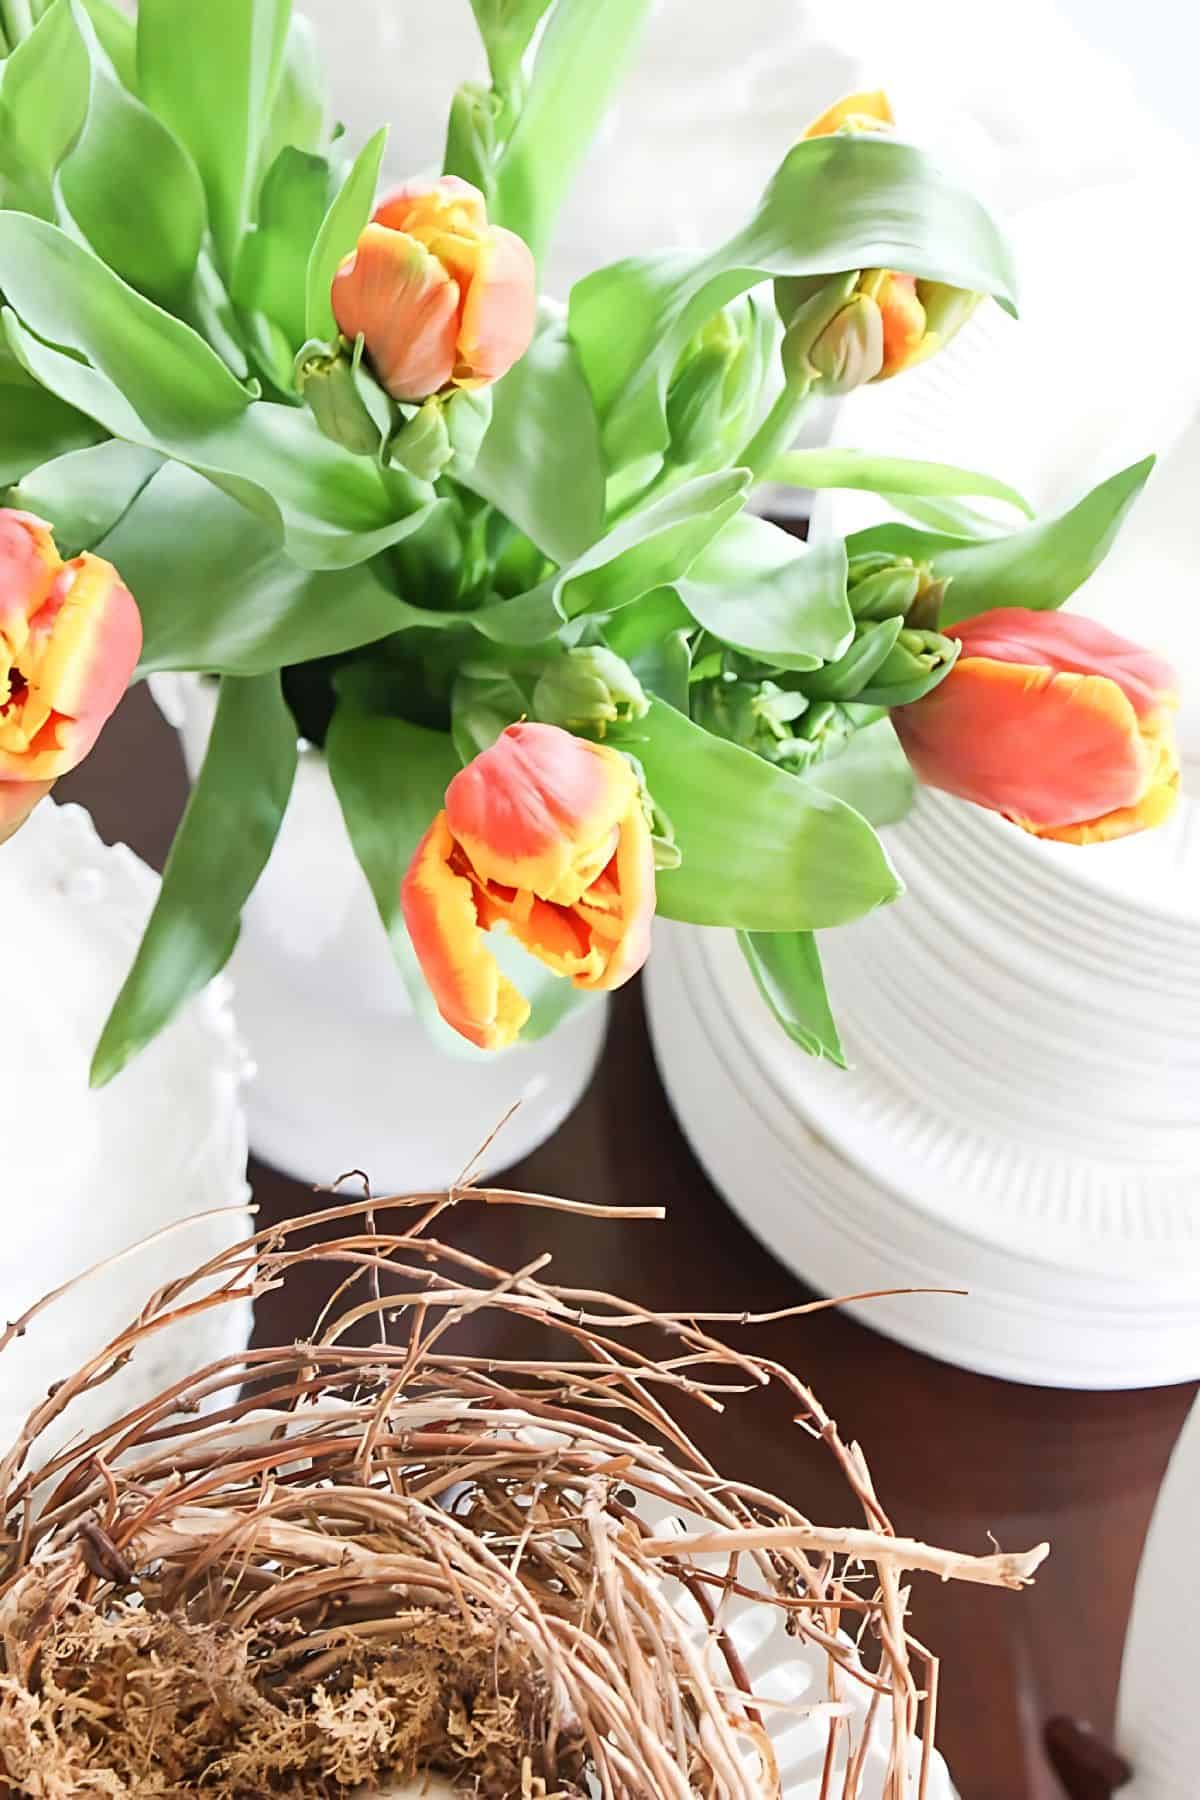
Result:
[
  {"x": 440, "y": 296},
  {"x": 70, "y": 635},
  {"x": 1054, "y": 721},
  {"x": 868, "y": 110},
  {"x": 907, "y": 319},
  {"x": 544, "y": 834}
]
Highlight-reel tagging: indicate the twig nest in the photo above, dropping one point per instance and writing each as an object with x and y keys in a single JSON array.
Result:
[{"x": 380, "y": 1562}]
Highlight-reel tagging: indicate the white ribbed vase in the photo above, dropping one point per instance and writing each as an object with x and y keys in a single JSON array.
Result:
[{"x": 345, "y": 1074}]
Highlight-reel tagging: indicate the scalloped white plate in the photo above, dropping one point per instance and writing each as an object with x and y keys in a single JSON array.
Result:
[{"x": 90, "y": 1172}]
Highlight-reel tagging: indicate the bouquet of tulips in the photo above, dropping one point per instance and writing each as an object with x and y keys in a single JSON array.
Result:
[{"x": 495, "y": 555}]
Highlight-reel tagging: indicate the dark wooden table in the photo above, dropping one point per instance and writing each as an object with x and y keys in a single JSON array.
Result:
[{"x": 956, "y": 1457}]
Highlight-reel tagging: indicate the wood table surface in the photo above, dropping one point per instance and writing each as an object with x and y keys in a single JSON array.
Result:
[{"x": 959, "y": 1459}]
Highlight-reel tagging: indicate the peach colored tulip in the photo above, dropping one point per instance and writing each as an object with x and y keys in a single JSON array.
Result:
[
  {"x": 1054, "y": 721},
  {"x": 544, "y": 834},
  {"x": 441, "y": 297},
  {"x": 70, "y": 636},
  {"x": 916, "y": 317}
]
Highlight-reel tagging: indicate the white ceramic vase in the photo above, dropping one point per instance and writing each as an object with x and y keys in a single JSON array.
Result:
[
  {"x": 345, "y": 1074},
  {"x": 139, "y": 1181}
]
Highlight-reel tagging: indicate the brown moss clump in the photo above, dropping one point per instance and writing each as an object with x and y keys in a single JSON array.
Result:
[
  {"x": 322, "y": 1565},
  {"x": 130, "y": 1701}
]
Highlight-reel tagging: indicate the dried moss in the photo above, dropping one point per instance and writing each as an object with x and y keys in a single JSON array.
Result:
[{"x": 136, "y": 1704}]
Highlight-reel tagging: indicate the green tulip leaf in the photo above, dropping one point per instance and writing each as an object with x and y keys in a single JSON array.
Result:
[
  {"x": 786, "y": 966},
  {"x": 43, "y": 104},
  {"x": 764, "y": 592},
  {"x": 890, "y": 475},
  {"x": 835, "y": 204},
  {"x": 872, "y": 774},
  {"x": 298, "y": 116},
  {"x": 35, "y": 426},
  {"x": 761, "y": 851},
  {"x": 544, "y": 422},
  {"x": 211, "y": 72},
  {"x": 84, "y": 493},
  {"x": 481, "y": 707},
  {"x": 233, "y": 603},
  {"x": 581, "y": 57},
  {"x": 129, "y": 185},
  {"x": 220, "y": 850},
  {"x": 348, "y": 213},
  {"x": 1038, "y": 567},
  {"x": 154, "y": 382},
  {"x": 645, "y": 550},
  {"x": 118, "y": 38},
  {"x": 272, "y": 265}
]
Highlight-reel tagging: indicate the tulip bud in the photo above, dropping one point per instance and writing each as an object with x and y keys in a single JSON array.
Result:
[
  {"x": 888, "y": 321},
  {"x": 589, "y": 689},
  {"x": 849, "y": 351},
  {"x": 440, "y": 297},
  {"x": 882, "y": 586},
  {"x": 471, "y": 138},
  {"x": 778, "y": 723},
  {"x": 70, "y": 636},
  {"x": 546, "y": 835},
  {"x": 912, "y": 668},
  {"x": 716, "y": 378},
  {"x": 422, "y": 443},
  {"x": 348, "y": 406},
  {"x": 1053, "y": 721}
]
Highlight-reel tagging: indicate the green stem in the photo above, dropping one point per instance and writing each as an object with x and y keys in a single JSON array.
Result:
[{"x": 776, "y": 432}]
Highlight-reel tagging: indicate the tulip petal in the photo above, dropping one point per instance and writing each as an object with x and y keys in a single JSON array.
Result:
[
  {"x": 29, "y": 563},
  {"x": 393, "y": 291},
  {"x": 17, "y": 801},
  {"x": 634, "y": 881},
  {"x": 541, "y": 810},
  {"x": 501, "y": 309},
  {"x": 82, "y": 647},
  {"x": 1048, "y": 750},
  {"x": 1054, "y": 721},
  {"x": 865, "y": 111},
  {"x": 1070, "y": 642},
  {"x": 446, "y": 204},
  {"x": 903, "y": 319},
  {"x": 441, "y": 914}
]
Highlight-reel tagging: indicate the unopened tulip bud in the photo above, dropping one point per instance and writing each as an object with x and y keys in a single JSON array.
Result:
[
  {"x": 713, "y": 379},
  {"x": 589, "y": 689},
  {"x": 882, "y": 586},
  {"x": 912, "y": 668},
  {"x": 850, "y": 350},
  {"x": 422, "y": 444},
  {"x": 347, "y": 405},
  {"x": 891, "y": 320}
]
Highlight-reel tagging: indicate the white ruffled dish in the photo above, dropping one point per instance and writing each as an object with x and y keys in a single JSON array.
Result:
[{"x": 89, "y": 1172}]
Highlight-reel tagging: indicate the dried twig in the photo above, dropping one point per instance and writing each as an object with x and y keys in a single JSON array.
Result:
[{"x": 332, "y": 1562}]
